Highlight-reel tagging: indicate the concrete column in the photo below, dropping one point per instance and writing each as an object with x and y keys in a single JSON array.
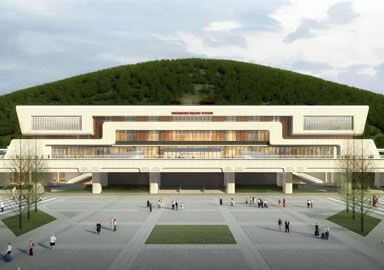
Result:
[
  {"x": 379, "y": 180},
  {"x": 287, "y": 182},
  {"x": 154, "y": 182},
  {"x": 99, "y": 180},
  {"x": 279, "y": 180},
  {"x": 229, "y": 180}
]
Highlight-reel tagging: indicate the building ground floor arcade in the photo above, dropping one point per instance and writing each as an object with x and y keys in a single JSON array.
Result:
[{"x": 205, "y": 181}]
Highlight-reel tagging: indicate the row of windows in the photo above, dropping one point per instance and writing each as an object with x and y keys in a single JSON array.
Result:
[
  {"x": 193, "y": 118},
  {"x": 191, "y": 136},
  {"x": 205, "y": 152},
  {"x": 328, "y": 122},
  {"x": 41, "y": 122}
]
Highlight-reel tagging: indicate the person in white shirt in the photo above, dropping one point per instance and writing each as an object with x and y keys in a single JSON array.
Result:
[
  {"x": 9, "y": 249},
  {"x": 52, "y": 242}
]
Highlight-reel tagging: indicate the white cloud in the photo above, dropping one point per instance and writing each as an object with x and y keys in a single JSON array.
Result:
[
  {"x": 334, "y": 39},
  {"x": 223, "y": 26}
]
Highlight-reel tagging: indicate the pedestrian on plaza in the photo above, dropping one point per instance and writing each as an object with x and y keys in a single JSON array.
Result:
[
  {"x": 221, "y": 201},
  {"x": 308, "y": 203},
  {"x": 246, "y": 201},
  {"x": 284, "y": 203},
  {"x": 317, "y": 231},
  {"x": 98, "y": 227},
  {"x": 9, "y": 249},
  {"x": 173, "y": 205},
  {"x": 280, "y": 224},
  {"x": 111, "y": 223},
  {"x": 177, "y": 205},
  {"x": 181, "y": 206},
  {"x": 150, "y": 207},
  {"x": 287, "y": 226},
  {"x": 158, "y": 204},
  {"x": 327, "y": 234},
  {"x": 279, "y": 203},
  {"x": 52, "y": 242},
  {"x": 30, "y": 247},
  {"x": 311, "y": 203},
  {"x": 2, "y": 206},
  {"x": 147, "y": 203},
  {"x": 265, "y": 204},
  {"x": 114, "y": 225}
]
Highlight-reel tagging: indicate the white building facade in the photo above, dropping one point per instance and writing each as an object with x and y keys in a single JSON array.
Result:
[{"x": 176, "y": 147}]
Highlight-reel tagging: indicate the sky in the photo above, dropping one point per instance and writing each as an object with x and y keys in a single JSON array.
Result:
[{"x": 48, "y": 40}]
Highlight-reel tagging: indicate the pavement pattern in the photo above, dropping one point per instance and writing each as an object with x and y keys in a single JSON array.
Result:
[{"x": 260, "y": 245}]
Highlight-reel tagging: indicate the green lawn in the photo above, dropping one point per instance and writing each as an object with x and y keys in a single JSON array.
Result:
[
  {"x": 37, "y": 220},
  {"x": 345, "y": 220},
  {"x": 191, "y": 234}
]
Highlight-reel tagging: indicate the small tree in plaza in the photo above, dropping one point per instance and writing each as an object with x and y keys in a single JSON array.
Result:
[
  {"x": 357, "y": 169},
  {"x": 26, "y": 167}
]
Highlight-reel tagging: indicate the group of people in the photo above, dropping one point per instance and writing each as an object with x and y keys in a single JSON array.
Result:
[
  {"x": 174, "y": 205},
  {"x": 8, "y": 258},
  {"x": 260, "y": 202},
  {"x": 324, "y": 235},
  {"x": 309, "y": 204},
  {"x": 282, "y": 203},
  {"x": 286, "y": 225}
]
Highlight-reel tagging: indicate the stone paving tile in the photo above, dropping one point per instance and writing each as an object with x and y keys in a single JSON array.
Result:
[
  {"x": 299, "y": 234},
  {"x": 262, "y": 215},
  {"x": 62, "y": 260},
  {"x": 319, "y": 259},
  {"x": 191, "y": 217},
  {"x": 189, "y": 259},
  {"x": 80, "y": 234}
]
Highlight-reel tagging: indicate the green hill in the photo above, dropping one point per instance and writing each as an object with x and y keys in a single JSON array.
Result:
[{"x": 192, "y": 81}]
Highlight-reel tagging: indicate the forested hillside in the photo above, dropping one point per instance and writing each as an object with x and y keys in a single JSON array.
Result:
[{"x": 192, "y": 81}]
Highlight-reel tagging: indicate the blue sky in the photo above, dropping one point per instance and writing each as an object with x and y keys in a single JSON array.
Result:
[{"x": 47, "y": 40}]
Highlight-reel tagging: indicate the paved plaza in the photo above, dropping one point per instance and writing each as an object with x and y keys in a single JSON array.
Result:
[{"x": 259, "y": 243}]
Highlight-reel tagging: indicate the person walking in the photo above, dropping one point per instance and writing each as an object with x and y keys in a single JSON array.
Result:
[
  {"x": 147, "y": 203},
  {"x": 279, "y": 203},
  {"x": 9, "y": 249},
  {"x": 2, "y": 206},
  {"x": 98, "y": 227},
  {"x": 158, "y": 204},
  {"x": 173, "y": 205},
  {"x": 317, "y": 231},
  {"x": 114, "y": 225},
  {"x": 327, "y": 234},
  {"x": 221, "y": 201},
  {"x": 52, "y": 242},
  {"x": 308, "y": 203},
  {"x": 280, "y": 224},
  {"x": 311, "y": 203},
  {"x": 30, "y": 247},
  {"x": 150, "y": 207},
  {"x": 111, "y": 224},
  {"x": 177, "y": 205},
  {"x": 284, "y": 203},
  {"x": 287, "y": 226}
]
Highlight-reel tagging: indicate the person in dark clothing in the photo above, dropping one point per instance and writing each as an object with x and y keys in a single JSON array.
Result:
[
  {"x": 221, "y": 201},
  {"x": 326, "y": 234},
  {"x": 30, "y": 247},
  {"x": 286, "y": 226},
  {"x": 177, "y": 205},
  {"x": 317, "y": 232},
  {"x": 98, "y": 227},
  {"x": 147, "y": 203},
  {"x": 280, "y": 224},
  {"x": 150, "y": 207}
]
